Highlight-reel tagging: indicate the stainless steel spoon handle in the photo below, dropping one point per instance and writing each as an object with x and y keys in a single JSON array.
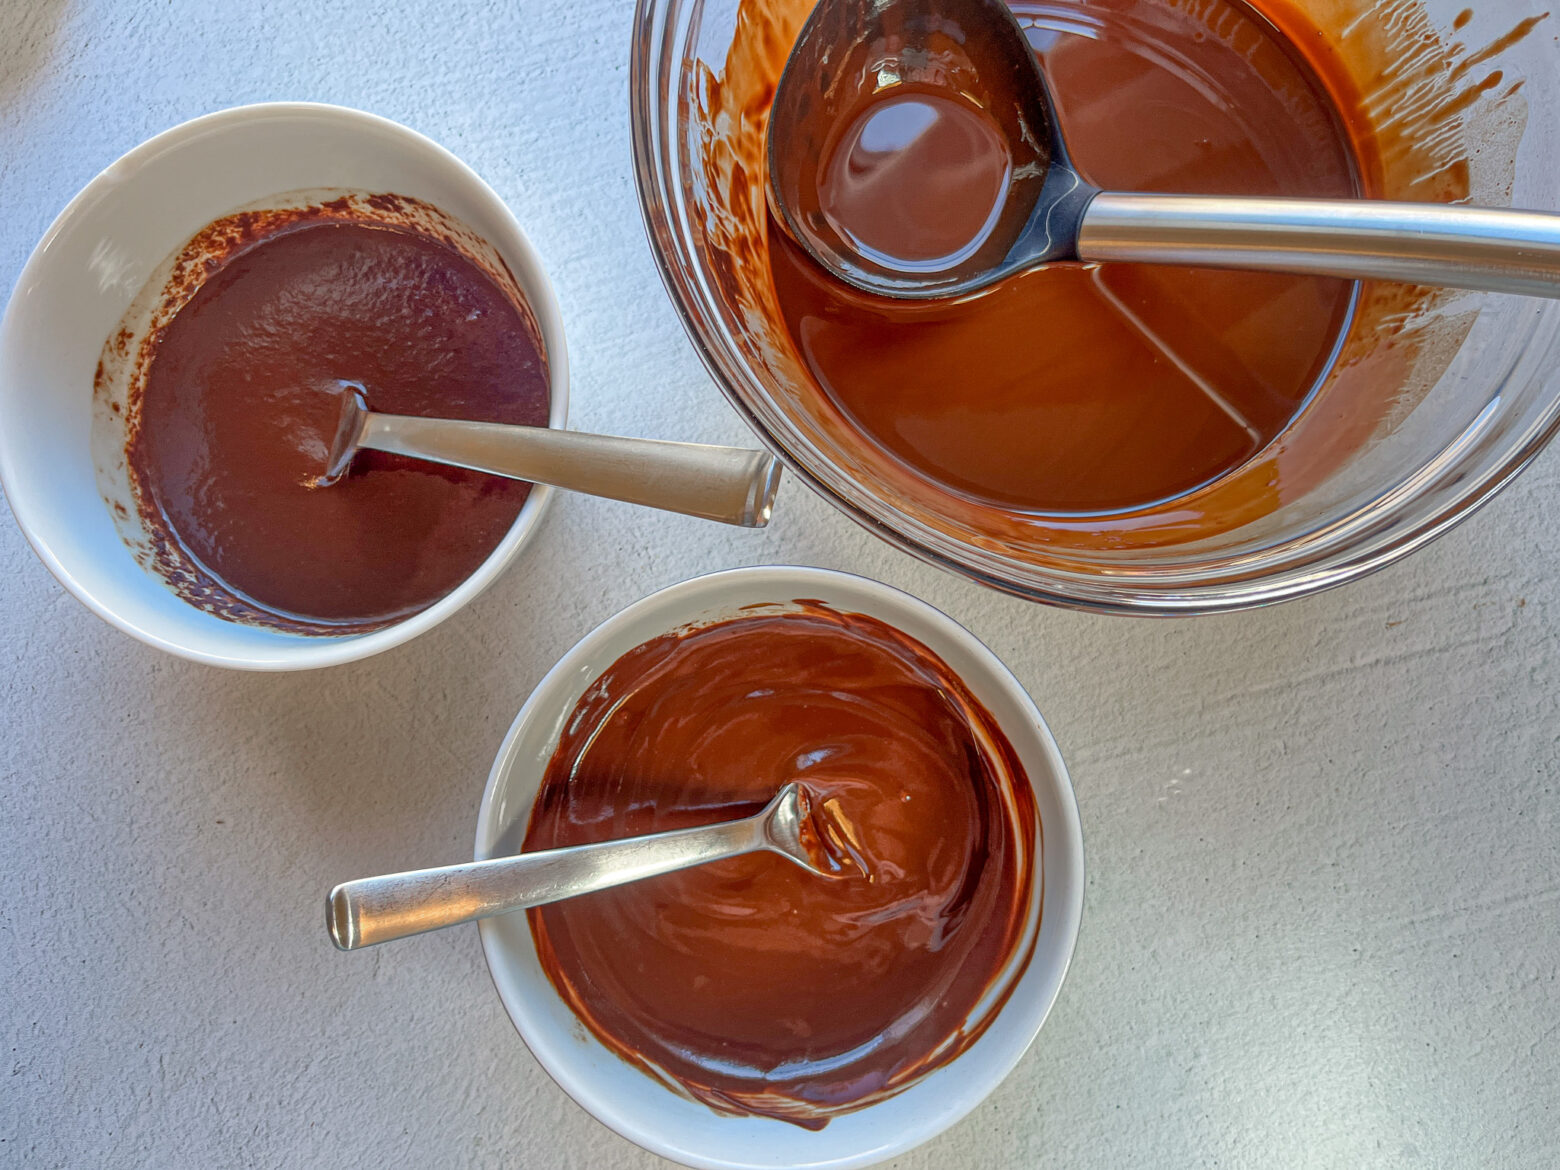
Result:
[
  {"x": 1420, "y": 243},
  {"x": 730, "y": 484},
  {"x": 378, "y": 909}
]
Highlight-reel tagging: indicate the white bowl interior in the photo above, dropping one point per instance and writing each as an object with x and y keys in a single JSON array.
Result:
[
  {"x": 642, "y": 1109},
  {"x": 93, "y": 261}
]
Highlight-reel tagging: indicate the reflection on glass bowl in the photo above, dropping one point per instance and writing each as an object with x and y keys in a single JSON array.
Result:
[{"x": 1403, "y": 437}]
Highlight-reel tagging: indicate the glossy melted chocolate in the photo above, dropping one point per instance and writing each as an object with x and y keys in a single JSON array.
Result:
[
  {"x": 1100, "y": 388},
  {"x": 916, "y": 181},
  {"x": 751, "y": 984},
  {"x": 236, "y": 414}
]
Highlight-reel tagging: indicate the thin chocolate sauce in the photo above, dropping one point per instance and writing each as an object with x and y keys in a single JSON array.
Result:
[
  {"x": 234, "y": 418},
  {"x": 1432, "y": 115},
  {"x": 916, "y": 181},
  {"x": 1085, "y": 389},
  {"x": 751, "y": 984}
]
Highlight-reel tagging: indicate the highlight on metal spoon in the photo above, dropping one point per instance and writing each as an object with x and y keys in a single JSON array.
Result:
[
  {"x": 731, "y": 484},
  {"x": 373, "y": 910},
  {"x": 914, "y": 153}
]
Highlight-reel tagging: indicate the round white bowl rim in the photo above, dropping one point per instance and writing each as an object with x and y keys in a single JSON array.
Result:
[
  {"x": 787, "y": 582},
  {"x": 310, "y": 651}
]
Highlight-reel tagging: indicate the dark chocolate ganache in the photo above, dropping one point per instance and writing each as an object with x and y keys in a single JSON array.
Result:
[
  {"x": 235, "y": 412},
  {"x": 751, "y": 984}
]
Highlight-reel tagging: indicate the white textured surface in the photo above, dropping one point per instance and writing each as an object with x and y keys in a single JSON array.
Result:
[{"x": 1324, "y": 839}]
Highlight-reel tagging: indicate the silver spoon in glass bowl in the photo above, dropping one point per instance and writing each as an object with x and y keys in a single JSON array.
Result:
[
  {"x": 913, "y": 152},
  {"x": 378, "y": 909}
]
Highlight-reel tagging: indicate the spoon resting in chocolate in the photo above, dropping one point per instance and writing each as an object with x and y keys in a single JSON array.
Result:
[
  {"x": 913, "y": 152},
  {"x": 373, "y": 910},
  {"x": 730, "y": 484}
]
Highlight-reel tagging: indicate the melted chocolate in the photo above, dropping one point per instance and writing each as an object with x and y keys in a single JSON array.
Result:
[
  {"x": 1087, "y": 388},
  {"x": 1416, "y": 99},
  {"x": 751, "y": 984},
  {"x": 233, "y": 420},
  {"x": 916, "y": 181}
]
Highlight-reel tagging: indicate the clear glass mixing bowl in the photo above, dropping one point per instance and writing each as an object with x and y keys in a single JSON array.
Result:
[{"x": 1480, "y": 402}]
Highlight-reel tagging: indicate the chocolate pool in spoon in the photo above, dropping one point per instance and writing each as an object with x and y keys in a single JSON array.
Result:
[{"x": 913, "y": 153}]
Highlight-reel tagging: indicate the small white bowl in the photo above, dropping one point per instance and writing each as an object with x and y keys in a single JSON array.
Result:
[
  {"x": 644, "y": 1110},
  {"x": 92, "y": 262}
]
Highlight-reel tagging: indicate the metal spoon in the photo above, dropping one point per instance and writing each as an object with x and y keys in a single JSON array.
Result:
[
  {"x": 729, "y": 484},
  {"x": 378, "y": 909},
  {"x": 851, "y": 53}
]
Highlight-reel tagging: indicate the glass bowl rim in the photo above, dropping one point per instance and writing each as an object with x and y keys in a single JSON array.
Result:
[{"x": 1146, "y": 593}]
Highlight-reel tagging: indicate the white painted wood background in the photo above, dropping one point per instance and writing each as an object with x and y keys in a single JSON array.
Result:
[{"x": 1324, "y": 864}]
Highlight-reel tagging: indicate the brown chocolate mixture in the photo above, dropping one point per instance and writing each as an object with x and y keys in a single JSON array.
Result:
[
  {"x": 915, "y": 179},
  {"x": 751, "y": 984},
  {"x": 1098, "y": 388},
  {"x": 1408, "y": 95},
  {"x": 235, "y": 414}
]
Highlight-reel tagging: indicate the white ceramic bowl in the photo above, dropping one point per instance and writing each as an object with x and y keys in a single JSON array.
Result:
[
  {"x": 94, "y": 259},
  {"x": 645, "y": 1111}
]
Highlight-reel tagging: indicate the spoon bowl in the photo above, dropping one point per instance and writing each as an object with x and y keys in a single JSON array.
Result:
[
  {"x": 866, "y": 77},
  {"x": 868, "y": 170},
  {"x": 373, "y": 910},
  {"x": 733, "y": 485}
]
